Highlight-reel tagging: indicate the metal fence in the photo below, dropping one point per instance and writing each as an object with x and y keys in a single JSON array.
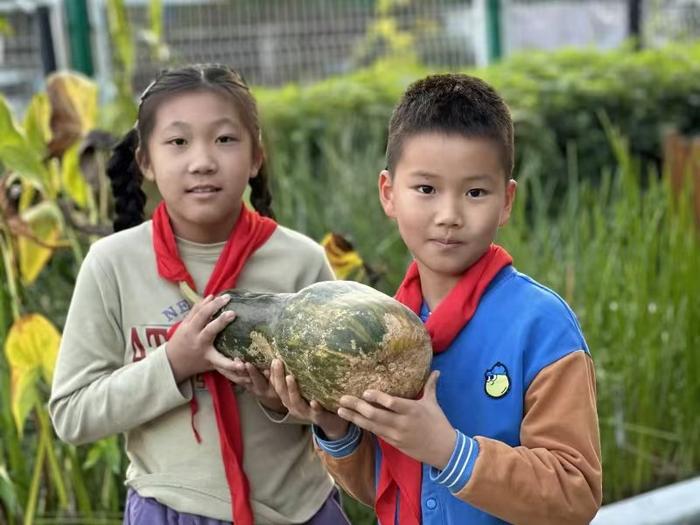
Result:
[
  {"x": 671, "y": 20},
  {"x": 20, "y": 56},
  {"x": 274, "y": 42}
]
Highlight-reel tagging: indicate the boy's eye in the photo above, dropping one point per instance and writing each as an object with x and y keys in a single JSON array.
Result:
[
  {"x": 477, "y": 192},
  {"x": 425, "y": 188}
]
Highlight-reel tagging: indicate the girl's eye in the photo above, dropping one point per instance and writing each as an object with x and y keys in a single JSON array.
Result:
[
  {"x": 177, "y": 142},
  {"x": 225, "y": 139},
  {"x": 426, "y": 189},
  {"x": 477, "y": 192}
]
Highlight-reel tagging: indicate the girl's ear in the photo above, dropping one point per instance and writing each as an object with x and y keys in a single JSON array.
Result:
[
  {"x": 386, "y": 193},
  {"x": 511, "y": 186},
  {"x": 144, "y": 165},
  {"x": 258, "y": 159}
]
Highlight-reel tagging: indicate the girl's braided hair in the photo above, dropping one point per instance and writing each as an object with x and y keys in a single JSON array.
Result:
[{"x": 122, "y": 167}]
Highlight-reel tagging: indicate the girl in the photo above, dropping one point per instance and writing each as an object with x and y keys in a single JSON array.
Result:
[{"x": 133, "y": 352}]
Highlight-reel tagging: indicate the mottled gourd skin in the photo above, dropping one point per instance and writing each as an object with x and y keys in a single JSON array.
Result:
[{"x": 335, "y": 337}]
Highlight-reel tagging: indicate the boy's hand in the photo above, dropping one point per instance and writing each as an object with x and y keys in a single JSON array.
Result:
[
  {"x": 253, "y": 381},
  {"x": 191, "y": 349},
  {"x": 403, "y": 423},
  {"x": 286, "y": 386}
]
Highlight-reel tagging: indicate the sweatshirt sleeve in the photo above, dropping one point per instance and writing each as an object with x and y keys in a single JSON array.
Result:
[
  {"x": 94, "y": 394},
  {"x": 350, "y": 461},
  {"x": 555, "y": 476},
  {"x": 317, "y": 268},
  {"x": 325, "y": 272}
]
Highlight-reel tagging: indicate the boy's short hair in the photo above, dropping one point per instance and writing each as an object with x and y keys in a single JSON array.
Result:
[{"x": 451, "y": 104}]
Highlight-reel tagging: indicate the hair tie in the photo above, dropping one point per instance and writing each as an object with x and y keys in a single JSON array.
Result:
[{"x": 145, "y": 92}]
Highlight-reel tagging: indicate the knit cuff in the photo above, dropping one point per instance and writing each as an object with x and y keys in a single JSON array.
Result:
[
  {"x": 338, "y": 448},
  {"x": 459, "y": 469}
]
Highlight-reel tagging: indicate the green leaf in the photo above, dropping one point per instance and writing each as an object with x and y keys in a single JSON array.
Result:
[
  {"x": 73, "y": 101},
  {"x": 25, "y": 396},
  {"x": 160, "y": 52},
  {"x": 31, "y": 348},
  {"x": 72, "y": 177},
  {"x": 45, "y": 226},
  {"x": 5, "y": 27},
  {"x": 106, "y": 451},
  {"x": 27, "y": 196},
  {"x": 37, "y": 122},
  {"x": 8, "y": 493},
  {"x": 121, "y": 37},
  {"x": 16, "y": 153},
  {"x": 155, "y": 15}
]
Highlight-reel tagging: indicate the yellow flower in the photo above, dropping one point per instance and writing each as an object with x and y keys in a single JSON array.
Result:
[{"x": 345, "y": 261}]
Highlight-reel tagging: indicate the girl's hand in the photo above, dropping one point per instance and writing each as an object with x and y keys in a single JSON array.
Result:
[
  {"x": 286, "y": 387},
  {"x": 191, "y": 350},
  {"x": 254, "y": 382},
  {"x": 403, "y": 422}
]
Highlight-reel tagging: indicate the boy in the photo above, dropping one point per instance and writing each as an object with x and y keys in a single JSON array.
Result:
[{"x": 510, "y": 431}]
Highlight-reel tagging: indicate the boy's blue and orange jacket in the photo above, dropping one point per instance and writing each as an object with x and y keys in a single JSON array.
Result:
[{"x": 518, "y": 385}]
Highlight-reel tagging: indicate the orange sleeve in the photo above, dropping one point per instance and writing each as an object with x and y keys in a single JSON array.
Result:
[
  {"x": 354, "y": 472},
  {"x": 555, "y": 475}
]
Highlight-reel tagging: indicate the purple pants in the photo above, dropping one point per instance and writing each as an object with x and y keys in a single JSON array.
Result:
[{"x": 147, "y": 511}]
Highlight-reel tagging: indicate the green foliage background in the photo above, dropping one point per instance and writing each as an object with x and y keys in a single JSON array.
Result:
[{"x": 594, "y": 219}]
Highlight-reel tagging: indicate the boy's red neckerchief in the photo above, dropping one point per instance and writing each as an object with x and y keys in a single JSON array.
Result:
[
  {"x": 399, "y": 474},
  {"x": 250, "y": 232}
]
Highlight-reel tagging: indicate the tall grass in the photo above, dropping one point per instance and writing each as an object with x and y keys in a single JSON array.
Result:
[
  {"x": 334, "y": 188},
  {"x": 624, "y": 253},
  {"x": 626, "y": 257}
]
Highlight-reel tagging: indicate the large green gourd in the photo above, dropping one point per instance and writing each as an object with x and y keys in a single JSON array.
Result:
[{"x": 335, "y": 337}]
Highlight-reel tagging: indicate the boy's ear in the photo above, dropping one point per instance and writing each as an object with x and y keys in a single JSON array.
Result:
[
  {"x": 386, "y": 193},
  {"x": 144, "y": 165},
  {"x": 511, "y": 186}
]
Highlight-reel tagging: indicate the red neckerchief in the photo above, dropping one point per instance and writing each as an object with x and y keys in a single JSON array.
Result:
[
  {"x": 250, "y": 232},
  {"x": 399, "y": 474}
]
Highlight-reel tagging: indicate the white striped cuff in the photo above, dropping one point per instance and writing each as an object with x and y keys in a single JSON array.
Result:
[
  {"x": 338, "y": 448},
  {"x": 459, "y": 469}
]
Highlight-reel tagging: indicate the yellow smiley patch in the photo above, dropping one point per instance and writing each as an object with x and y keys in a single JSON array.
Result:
[{"x": 496, "y": 381}]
